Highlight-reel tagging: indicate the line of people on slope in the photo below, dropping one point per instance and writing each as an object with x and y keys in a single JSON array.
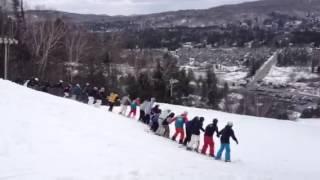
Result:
[
  {"x": 150, "y": 114},
  {"x": 187, "y": 131},
  {"x": 86, "y": 94}
]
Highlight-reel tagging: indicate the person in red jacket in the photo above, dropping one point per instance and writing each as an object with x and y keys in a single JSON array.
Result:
[
  {"x": 179, "y": 124},
  {"x": 208, "y": 137}
]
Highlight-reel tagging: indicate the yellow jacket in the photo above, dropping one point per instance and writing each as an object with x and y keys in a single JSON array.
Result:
[{"x": 113, "y": 97}]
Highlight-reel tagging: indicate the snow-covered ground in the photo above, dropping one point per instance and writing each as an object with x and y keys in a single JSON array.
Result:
[
  {"x": 294, "y": 79},
  {"x": 233, "y": 77},
  {"x": 285, "y": 75},
  {"x": 43, "y": 137}
]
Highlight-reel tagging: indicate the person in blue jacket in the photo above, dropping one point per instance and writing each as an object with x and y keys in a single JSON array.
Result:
[
  {"x": 225, "y": 134},
  {"x": 179, "y": 124}
]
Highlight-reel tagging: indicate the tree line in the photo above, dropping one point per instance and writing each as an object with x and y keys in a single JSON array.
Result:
[{"x": 52, "y": 49}]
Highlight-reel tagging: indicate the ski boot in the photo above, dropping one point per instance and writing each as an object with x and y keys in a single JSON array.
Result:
[{"x": 173, "y": 138}]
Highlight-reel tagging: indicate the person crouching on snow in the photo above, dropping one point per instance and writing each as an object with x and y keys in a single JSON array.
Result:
[
  {"x": 165, "y": 125},
  {"x": 179, "y": 124},
  {"x": 134, "y": 105},
  {"x": 208, "y": 137},
  {"x": 226, "y": 133},
  {"x": 195, "y": 137}
]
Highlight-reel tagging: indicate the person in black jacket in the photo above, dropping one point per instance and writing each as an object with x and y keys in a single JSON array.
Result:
[
  {"x": 195, "y": 137},
  {"x": 85, "y": 93},
  {"x": 226, "y": 133},
  {"x": 208, "y": 137},
  {"x": 165, "y": 125},
  {"x": 188, "y": 130}
]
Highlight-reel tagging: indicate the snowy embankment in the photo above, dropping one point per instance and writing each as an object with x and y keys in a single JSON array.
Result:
[
  {"x": 287, "y": 75},
  {"x": 43, "y": 137}
]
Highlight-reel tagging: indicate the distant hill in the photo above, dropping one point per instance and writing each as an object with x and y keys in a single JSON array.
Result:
[{"x": 258, "y": 10}]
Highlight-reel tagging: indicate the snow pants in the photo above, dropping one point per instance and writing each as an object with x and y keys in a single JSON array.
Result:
[
  {"x": 123, "y": 109},
  {"x": 111, "y": 104},
  {"x": 194, "y": 142},
  {"x": 166, "y": 131},
  {"x": 160, "y": 131},
  {"x": 132, "y": 112},
  {"x": 98, "y": 103},
  {"x": 142, "y": 115},
  {"x": 154, "y": 126},
  {"x": 208, "y": 142},
  {"x": 91, "y": 100},
  {"x": 179, "y": 131},
  {"x": 146, "y": 119},
  {"x": 228, "y": 151},
  {"x": 188, "y": 137},
  {"x": 74, "y": 97}
]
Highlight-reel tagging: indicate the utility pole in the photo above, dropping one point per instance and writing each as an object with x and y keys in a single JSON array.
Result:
[
  {"x": 7, "y": 42},
  {"x": 172, "y": 82}
]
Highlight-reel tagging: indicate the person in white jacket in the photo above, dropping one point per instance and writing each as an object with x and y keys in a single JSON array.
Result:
[
  {"x": 125, "y": 102},
  {"x": 163, "y": 116}
]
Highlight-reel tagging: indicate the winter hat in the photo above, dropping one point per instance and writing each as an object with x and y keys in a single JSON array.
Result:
[
  {"x": 230, "y": 124},
  {"x": 171, "y": 115},
  {"x": 184, "y": 113},
  {"x": 215, "y": 121}
]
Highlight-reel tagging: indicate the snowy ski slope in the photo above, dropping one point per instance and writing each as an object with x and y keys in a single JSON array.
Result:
[{"x": 43, "y": 137}]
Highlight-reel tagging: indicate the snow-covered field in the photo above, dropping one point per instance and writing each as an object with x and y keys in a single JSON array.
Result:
[
  {"x": 285, "y": 75},
  {"x": 43, "y": 137}
]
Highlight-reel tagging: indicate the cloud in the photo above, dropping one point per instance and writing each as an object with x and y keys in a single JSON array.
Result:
[{"x": 126, "y": 7}]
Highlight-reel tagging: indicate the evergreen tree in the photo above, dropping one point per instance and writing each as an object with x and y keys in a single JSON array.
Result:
[
  {"x": 159, "y": 84},
  {"x": 225, "y": 90},
  {"x": 133, "y": 88},
  {"x": 145, "y": 86},
  {"x": 212, "y": 88}
]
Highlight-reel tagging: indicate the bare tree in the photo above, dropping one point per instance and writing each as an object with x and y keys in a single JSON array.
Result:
[
  {"x": 76, "y": 44},
  {"x": 45, "y": 37}
]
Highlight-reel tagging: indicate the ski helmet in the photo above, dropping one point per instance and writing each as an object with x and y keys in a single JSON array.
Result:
[{"x": 230, "y": 124}]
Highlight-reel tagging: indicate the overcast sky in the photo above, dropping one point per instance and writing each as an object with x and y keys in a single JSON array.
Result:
[{"x": 125, "y": 7}]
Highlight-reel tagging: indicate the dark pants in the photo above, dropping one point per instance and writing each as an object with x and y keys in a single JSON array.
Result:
[
  {"x": 188, "y": 137},
  {"x": 147, "y": 119},
  {"x": 155, "y": 126},
  {"x": 142, "y": 115},
  {"x": 166, "y": 131},
  {"x": 111, "y": 106}
]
